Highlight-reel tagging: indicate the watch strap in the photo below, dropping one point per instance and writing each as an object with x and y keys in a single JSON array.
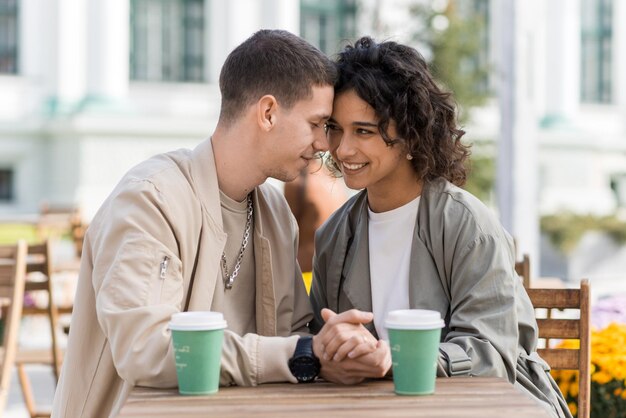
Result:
[{"x": 304, "y": 347}]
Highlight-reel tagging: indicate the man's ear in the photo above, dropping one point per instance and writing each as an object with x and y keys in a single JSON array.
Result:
[{"x": 267, "y": 107}]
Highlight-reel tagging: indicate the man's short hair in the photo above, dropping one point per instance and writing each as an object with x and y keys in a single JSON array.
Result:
[{"x": 274, "y": 62}]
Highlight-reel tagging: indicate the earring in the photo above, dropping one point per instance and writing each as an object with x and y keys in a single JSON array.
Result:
[{"x": 409, "y": 157}]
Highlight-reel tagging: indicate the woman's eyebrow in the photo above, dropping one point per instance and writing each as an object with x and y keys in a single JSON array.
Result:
[{"x": 367, "y": 124}]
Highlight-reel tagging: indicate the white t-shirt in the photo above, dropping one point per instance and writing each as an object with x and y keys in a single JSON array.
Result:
[{"x": 390, "y": 239}]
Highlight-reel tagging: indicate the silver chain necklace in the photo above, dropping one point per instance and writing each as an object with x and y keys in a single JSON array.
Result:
[{"x": 229, "y": 279}]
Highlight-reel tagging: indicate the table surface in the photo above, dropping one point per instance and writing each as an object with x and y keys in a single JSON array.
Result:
[{"x": 454, "y": 397}]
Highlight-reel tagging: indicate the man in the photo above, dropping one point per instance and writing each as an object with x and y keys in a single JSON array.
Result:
[{"x": 198, "y": 230}]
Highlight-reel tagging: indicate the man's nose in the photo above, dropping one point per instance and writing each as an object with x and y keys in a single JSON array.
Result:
[{"x": 321, "y": 142}]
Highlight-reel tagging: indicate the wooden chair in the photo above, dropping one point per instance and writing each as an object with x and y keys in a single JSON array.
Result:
[
  {"x": 12, "y": 276},
  {"x": 522, "y": 268},
  {"x": 39, "y": 270},
  {"x": 561, "y": 358}
]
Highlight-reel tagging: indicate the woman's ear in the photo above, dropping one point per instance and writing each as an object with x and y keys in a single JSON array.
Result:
[{"x": 266, "y": 112}]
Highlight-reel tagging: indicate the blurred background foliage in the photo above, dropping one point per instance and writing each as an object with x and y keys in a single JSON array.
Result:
[
  {"x": 565, "y": 229},
  {"x": 452, "y": 39}
]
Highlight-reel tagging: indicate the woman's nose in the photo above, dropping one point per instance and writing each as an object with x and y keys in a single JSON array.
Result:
[{"x": 345, "y": 147}]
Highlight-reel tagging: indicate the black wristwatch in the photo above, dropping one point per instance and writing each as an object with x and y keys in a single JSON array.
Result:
[{"x": 304, "y": 365}]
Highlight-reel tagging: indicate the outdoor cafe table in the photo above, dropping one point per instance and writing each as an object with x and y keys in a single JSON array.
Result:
[{"x": 454, "y": 397}]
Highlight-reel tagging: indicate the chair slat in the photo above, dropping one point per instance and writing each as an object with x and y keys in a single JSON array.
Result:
[
  {"x": 7, "y": 272},
  {"x": 560, "y": 358},
  {"x": 554, "y": 298},
  {"x": 41, "y": 249},
  {"x": 39, "y": 265},
  {"x": 30, "y": 286},
  {"x": 4, "y": 279},
  {"x": 559, "y": 328},
  {"x": 7, "y": 252},
  {"x": 522, "y": 268},
  {"x": 12, "y": 299},
  {"x": 35, "y": 266},
  {"x": 6, "y": 291}
]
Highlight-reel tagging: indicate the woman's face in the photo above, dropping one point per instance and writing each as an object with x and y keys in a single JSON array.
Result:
[{"x": 359, "y": 150}]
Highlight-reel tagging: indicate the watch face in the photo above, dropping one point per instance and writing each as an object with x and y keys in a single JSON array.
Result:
[{"x": 305, "y": 369}]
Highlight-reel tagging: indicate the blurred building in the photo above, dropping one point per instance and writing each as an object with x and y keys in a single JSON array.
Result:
[{"x": 90, "y": 87}]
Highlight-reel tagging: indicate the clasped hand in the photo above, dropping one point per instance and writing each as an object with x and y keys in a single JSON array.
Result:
[{"x": 348, "y": 352}]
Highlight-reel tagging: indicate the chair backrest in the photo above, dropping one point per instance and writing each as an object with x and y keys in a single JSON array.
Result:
[
  {"x": 39, "y": 261},
  {"x": 12, "y": 277},
  {"x": 522, "y": 268},
  {"x": 561, "y": 327}
]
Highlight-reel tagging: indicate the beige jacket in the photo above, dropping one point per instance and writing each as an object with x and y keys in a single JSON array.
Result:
[{"x": 163, "y": 208}]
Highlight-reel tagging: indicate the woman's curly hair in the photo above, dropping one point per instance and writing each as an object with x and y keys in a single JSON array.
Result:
[{"x": 395, "y": 81}]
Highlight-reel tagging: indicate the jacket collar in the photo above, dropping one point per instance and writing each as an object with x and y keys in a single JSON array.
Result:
[
  {"x": 204, "y": 176},
  {"x": 356, "y": 264}
]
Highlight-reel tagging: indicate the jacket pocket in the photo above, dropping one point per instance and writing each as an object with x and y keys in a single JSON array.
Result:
[
  {"x": 169, "y": 286},
  {"x": 135, "y": 277}
]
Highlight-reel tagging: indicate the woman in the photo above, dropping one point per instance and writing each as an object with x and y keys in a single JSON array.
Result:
[{"x": 412, "y": 238}]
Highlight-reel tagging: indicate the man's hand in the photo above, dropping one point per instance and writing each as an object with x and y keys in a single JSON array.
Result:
[{"x": 353, "y": 371}]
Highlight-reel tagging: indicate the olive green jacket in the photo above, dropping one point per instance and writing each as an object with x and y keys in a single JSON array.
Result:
[{"x": 462, "y": 265}]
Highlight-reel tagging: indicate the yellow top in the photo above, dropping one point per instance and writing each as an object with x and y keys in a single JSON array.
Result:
[{"x": 307, "y": 277}]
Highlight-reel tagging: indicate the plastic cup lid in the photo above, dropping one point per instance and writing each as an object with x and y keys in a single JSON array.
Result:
[
  {"x": 414, "y": 319},
  {"x": 197, "y": 321}
]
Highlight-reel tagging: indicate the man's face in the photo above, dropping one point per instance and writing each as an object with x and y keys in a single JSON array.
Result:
[{"x": 298, "y": 135}]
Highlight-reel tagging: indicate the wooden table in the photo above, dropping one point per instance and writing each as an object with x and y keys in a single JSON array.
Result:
[{"x": 454, "y": 397}]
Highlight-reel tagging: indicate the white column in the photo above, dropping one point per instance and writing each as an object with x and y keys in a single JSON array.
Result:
[
  {"x": 504, "y": 19},
  {"x": 34, "y": 31},
  {"x": 562, "y": 59},
  {"x": 281, "y": 14},
  {"x": 61, "y": 65},
  {"x": 516, "y": 182},
  {"x": 619, "y": 55},
  {"x": 227, "y": 26},
  {"x": 108, "y": 55},
  {"x": 216, "y": 23}
]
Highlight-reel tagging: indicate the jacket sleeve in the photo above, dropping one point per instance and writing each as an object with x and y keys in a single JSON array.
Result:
[
  {"x": 253, "y": 359},
  {"x": 138, "y": 283},
  {"x": 483, "y": 333}
]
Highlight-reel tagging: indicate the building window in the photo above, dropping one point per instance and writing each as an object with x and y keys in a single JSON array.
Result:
[
  {"x": 8, "y": 36},
  {"x": 6, "y": 185},
  {"x": 167, "y": 40},
  {"x": 326, "y": 23},
  {"x": 596, "y": 38}
]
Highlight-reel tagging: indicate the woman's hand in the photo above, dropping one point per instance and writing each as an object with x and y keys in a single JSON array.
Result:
[
  {"x": 344, "y": 335},
  {"x": 348, "y": 352}
]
